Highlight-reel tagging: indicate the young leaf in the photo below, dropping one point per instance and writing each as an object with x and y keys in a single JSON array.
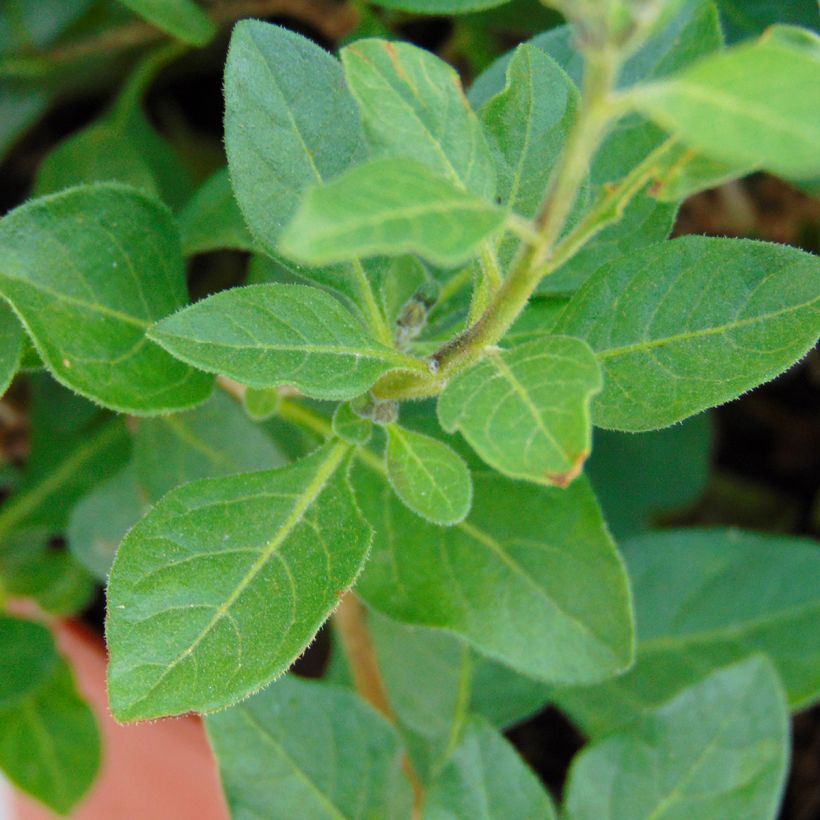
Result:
[
  {"x": 49, "y": 743},
  {"x": 212, "y": 440},
  {"x": 212, "y": 220},
  {"x": 544, "y": 593},
  {"x": 268, "y": 335},
  {"x": 704, "y": 599},
  {"x": 697, "y": 322},
  {"x": 11, "y": 346},
  {"x": 261, "y": 404},
  {"x": 181, "y": 18},
  {"x": 412, "y": 107},
  {"x": 525, "y": 411},
  {"x": 280, "y": 140},
  {"x": 718, "y": 750},
  {"x": 225, "y": 582},
  {"x": 754, "y": 104},
  {"x": 350, "y": 427},
  {"x": 306, "y": 749},
  {"x": 429, "y": 477},
  {"x": 391, "y": 207},
  {"x": 527, "y": 125},
  {"x": 486, "y": 780},
  {"x": 88, "y": 271}
]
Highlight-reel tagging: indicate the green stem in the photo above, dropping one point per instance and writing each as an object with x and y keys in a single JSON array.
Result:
[{"x": 528, "y": 269}]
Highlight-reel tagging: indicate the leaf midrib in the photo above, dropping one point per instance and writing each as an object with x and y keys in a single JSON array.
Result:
[{"x": 323, "y": 475}]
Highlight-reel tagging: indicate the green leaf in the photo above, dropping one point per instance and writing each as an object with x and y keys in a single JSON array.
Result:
[
  {"x": 88, "y": 271},
  {"x": 527, "y": 125},
  {"x": 49, "y": 743},
  {"x": 225, "y": 582},
  {"x": 11, "y": 346},
  {"x": 544, "y": 593},
  {"x": 349, "y": 426},
  {"x": 636, "y": 479},
  {"x": 486, "y": 780},
  {"x": 306, "y": 749},
  {"x": 31, "y": 568},
  {"x": 100, "y": 520},
  {"x": 753, "y": 104},
  {"x": 719, "y": 749},
  {"x": 261, "y": 403},
  {"x": 435, "y": 681},
  {"x": 390, "y": 207},
  {"x": 744, "y": 18},
  {"x": 212, "y": 440},
  {"x": 212, "y": 220},
  {"x": 697, "y": 321},
  {"x": 428, "y": 476},
  {"x": 686, "y": 172},
  {"x": 705, "y": 598},
  {"x": 439, "y": 7},
  {"x": 525, "y": 411},
  {"x": 268, "y": 335},
  {"x": 412, "y": 107},
  {"x": 181, "y": 18},
  {"x": 280, "y": 140},
  {"x": 63, "y": 466},
  {"x": 28, "y": 659}
]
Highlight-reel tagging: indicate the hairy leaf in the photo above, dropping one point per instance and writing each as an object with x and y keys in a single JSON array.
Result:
[
  {"x": 688, "y": 324},
  {"x": 428, "y": 476},
  {"x": 412, "y": 106},
  {"x": 486, "y": 780},
  {"x": 225, "y": 582},
  {"x": 280, "y": 140},
  {"x": 705, "y": 598},
  {"x": 88, "y": 271},
  {"x": 49, "y": 743},
  {"x": 544, "y": 593},
  {"x": 526, "y": 410},
  {"x": 752, "y": 104},
  {"x": 390, "y": 207},
  {"x": 718, "y": 750},
  {"x": 267, "y": 335},
  {"x": 11, "y": 346}
]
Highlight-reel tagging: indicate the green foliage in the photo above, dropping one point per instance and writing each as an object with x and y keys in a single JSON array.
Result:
[
  {"x": 687, "y": 313},
  {"x": 49, "y": 743},
  {"x": 252, "y": 540},
  {"x": 729, "y": 734},
  {"x": 422, "y": 574},
  {"x": 753, "y": 593},
  {"x": 486, "y": 779},
  {"x": 526, "y": 410},
  {"x": 389, "y": 206},
  {"x": 183, "y": 19},
  {"x": 267, "y": 335},
  {"x": 731, "y": 106},
  {"x": 444, "y": 296},
  {"x": 428, "y": 476},
  {"x": 79, "y": 274},
  {"x": 319, "y": 749}
]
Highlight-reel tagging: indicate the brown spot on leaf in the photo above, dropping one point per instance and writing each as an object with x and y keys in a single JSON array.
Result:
[{"x": 563, "y": 480}]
